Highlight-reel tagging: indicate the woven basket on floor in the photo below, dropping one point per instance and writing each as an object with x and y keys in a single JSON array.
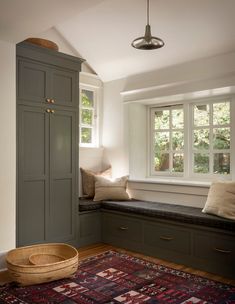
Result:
[{"x": 41, "y": 263}]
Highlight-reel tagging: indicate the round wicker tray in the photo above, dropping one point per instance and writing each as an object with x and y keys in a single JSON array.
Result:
[
  {"x": 42, "y": 263},
  {"x": 44, "y": 259},
  {"x": 44, "y": 43}
]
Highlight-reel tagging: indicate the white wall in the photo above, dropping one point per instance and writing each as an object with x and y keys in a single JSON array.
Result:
[
  {"x": 125, "y": 103},
  {"x": 8, "y": 146},
  {"x": 64, "y": 46},
  {"x": 115, "y": 127},
  {"x": 181, "y": 80}
]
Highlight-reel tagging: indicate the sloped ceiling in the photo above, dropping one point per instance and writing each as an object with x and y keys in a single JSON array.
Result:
[
  {"x": 102, "y": 30},
  {"x": 191, "y": 29},
  {"x": 20, "y": 19}
]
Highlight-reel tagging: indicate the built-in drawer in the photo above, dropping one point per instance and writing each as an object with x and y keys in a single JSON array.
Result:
[
  {"x": 122, "y": 227},
  {"x": 167, "y": 237},
  {"x": 89, "y": 228},
  {"x": 122, "y": 231},
  {"x": 215, "y": 248}
]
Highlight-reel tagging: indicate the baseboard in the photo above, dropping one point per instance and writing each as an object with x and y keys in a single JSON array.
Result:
[{"x": 3, "y": 264}]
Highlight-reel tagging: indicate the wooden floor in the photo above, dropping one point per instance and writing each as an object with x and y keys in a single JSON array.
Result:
[{"x": 89, "y": 251}]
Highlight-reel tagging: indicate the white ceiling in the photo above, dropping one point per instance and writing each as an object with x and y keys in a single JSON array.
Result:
[
  {"x": 20, "y": 19},
  {"x": 102, "y": 30}
]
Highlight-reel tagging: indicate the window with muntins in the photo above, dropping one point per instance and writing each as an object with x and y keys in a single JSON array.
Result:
[
  {"x": 88, "y": 118},
  {"x": 192, "y": 139},
  {"x": 168, "y": 139},
  {"x": 211, "y": 138}
]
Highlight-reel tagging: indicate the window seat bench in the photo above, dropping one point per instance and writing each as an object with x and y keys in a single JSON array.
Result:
[{"x": 180, "y": 234}]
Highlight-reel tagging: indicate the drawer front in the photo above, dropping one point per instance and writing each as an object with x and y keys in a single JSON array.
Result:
[
  {"x": 89, "y": 229},
  {"x": 214, "y": 248},
  {"x": 121, "y": 227},
  {"x": 89, "y": 224},
  {"x": 167, "y": 237}
]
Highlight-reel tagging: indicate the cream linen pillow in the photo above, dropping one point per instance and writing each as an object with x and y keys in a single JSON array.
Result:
[
  {"x": 106, "y": 189},
  {"x": 221, "y": 200},
  {"x": 88, "y": 180}
]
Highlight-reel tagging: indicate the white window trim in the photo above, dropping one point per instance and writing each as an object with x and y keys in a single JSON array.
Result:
[
  {"x": 170, "y": 151},
  {"x": 95, "y": 119},
  {"x": 188, "y": 125},
  {"x": 92, "y": 82}
]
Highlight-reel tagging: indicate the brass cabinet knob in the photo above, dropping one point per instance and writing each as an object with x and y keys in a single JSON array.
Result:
[
  {"x": 48, "y": 110},
  {"x": 50, "y": 100},
  {"x": 52, "y": 111}
]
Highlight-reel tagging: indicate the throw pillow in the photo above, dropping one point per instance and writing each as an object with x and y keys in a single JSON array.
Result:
[
  {"x": 111, "y": 190},
  {"x": 88, "y": 180},
  {"x": 221, "y": 200}
]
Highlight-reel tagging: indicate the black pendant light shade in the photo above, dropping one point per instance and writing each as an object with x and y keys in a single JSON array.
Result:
[{"x": 147, "y": 42}]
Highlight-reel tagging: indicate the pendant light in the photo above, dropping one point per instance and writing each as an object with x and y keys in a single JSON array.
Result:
[{"x": 148, "y": 42}]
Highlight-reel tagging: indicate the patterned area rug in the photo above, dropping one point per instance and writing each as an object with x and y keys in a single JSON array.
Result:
[{"x": 114, "y": 277}]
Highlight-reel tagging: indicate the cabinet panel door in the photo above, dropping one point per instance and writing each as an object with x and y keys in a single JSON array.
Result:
[
  {"x": 33, "y": 82},
  {"x": 62, "y": 176},
  {"x": 33, "y": 175},
  {"x": 63, "y": 87}
]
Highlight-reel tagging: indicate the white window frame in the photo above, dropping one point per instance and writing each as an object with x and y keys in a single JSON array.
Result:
[
  {"x": 170, "y": 130},
  {"x": 188, "y": 173},
  {"x": 95, "y": 125}
]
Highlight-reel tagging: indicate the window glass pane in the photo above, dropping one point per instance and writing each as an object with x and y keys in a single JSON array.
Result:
[
  {"x": 87, "y": 98},
  {"x": 201, "y": 115},
  {"x": 162, "y": 141},
  {"x": 86, "y": 135},
  {"x": 201, "y": 139},
  {"x": 161, "y": 162},
  {"x": 222, "y": 163},
  {"x": 221, "y": 113},
  {"x": 201, "y": 163},
  {"x": 178, "y": 119},
  {"x": 178, "y": 162},
  {"x": 87, "y": 116},
  {"x": 162, "y": 119},
  {"x": 177, "y": 140},
  {"x": 221, "y": 138}
]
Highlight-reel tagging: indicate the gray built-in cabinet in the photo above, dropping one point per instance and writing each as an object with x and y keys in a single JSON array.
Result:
[{"x": 47, "y": 145}]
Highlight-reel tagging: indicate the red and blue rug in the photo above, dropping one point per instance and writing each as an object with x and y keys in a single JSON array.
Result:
[{"x": 114, "y": 277}]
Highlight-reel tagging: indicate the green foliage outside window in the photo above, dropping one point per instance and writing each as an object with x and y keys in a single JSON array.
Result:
[
  {"x": 211, "y": 133},
  {"x": 87, "y": 116}
]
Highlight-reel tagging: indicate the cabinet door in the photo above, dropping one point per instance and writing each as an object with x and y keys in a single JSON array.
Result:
[
  {"x": 63, "y": 87},
  {"x": 33, "y": 174},
  {"x": 33, "y": 82},
  {"x": 63, "y": 193}
]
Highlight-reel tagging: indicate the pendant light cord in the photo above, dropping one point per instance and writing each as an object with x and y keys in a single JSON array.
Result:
[{"x": 148, "y": 12}]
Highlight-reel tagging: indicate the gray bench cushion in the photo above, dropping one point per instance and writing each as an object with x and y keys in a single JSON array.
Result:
[
  {"x": 88, "y": 205},
  {"x": 180, "y": 213},
  {"x": 185, "y": 214}
]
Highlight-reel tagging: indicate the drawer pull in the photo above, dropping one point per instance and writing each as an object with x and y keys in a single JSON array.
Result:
[
  {"x": 123, "y": 228},
  {"x": 166, "y": 238},
  {"x": 222, "y": 250}
]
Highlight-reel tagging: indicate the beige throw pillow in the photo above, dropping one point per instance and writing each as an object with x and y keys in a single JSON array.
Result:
[
  {"x": 221, "y": 200},
  {"x": 88, "y": 180},
  {"x": 111, "y": 190}
]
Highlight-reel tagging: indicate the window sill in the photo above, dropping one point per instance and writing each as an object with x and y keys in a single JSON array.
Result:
[
  {"x": 84, "y": 148},
  {"x": 172, "y": 181}
]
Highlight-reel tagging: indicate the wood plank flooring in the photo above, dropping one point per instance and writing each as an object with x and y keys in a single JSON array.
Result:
[{"x": 89, "y": 251}]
